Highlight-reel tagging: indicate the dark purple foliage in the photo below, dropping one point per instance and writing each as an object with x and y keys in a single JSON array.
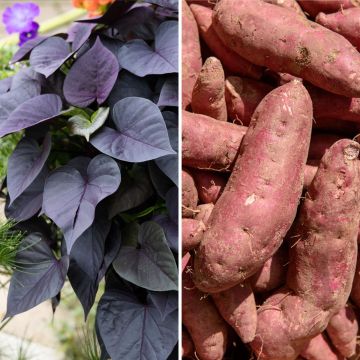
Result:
[{"x": 97, "y": 166}]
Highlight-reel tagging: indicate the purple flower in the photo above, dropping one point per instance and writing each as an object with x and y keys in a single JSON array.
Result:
[
  {"x": 26, "y": 36},
  {"x": 20, "y": 17}
]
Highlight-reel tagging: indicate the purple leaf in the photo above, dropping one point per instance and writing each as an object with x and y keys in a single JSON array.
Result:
[
  {"x": 23, "y": 52},
  {"x": 91, "y": 77},
  {"x": 140, "y": 59},
  {"x": 170, "y": 229},
  {"x": 70, "y": 198},
  {"x": 29, "y": 80},
  {"x": 169, "y": 164},
  {"x": 128, "y": 85},
  {"x": 160, "y": 181},
  {"x": 134, "y": 190},
  {"x": 30, "y": 201},
  {"x": 38, "y": 275},
  {"x": 47, "y": 57},
  {"x": 171, "y": 4},
  {"x": 169, "y": 92},
  {"x": 165, "y": 302},
  {"x": 78, "y": 35},
  {"x": 146, "y": 336},
  {"x": 140, "y": 133},
  {"x": 5, "y": 85},
  {"x": 31, "y": 112},
  {"x": 145, "y": 258},
  {"x": 25, "y": 164}
]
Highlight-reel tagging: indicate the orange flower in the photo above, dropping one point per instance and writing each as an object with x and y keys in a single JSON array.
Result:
[
  {"x": 77, "y": 3},
  {"x": 105, "y": 2},
  {"x": 91, "y": 5}
]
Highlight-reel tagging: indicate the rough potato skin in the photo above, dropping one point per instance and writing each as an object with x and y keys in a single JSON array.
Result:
[
  {"x": 310, "y": 172},
  {"x": 268, "y": 35},
  {"x": 288, "y": 4},
  {"x": 208, "y": 143},
  {"x": 272, "y": 274},
  {"x": 345, "y": 22},
  {"x": 191, "y": 54},
  {"x": 313, "y": 7},
  {"x": 342, "y": 330},
  {"x": 229, "y": 59},
  {"x": 189, "y": 195},
  {"x": 242, "y": 97},
  {"x": 266, "y": 184},
  {"x": 206, "y": 327},
  {"x": 318, "y": 349},
  {"x": 328, "y": 220},
  {"x": 209, "y": 184},
  {"x": 191, "y": 228},
  {"x": 320, "y": 142},
  {"x": 208, "y": 96},
  {"x": 237, "y": 306},
  {"x": 187, "y": 344},
  {"x": 204, "y": 213}
]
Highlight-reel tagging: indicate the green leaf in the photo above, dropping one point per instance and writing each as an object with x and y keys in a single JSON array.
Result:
[
  {"x": 73, "y": 111},
  {"x": 149, "y": 263},
  {"x": 83, "y": 126}
]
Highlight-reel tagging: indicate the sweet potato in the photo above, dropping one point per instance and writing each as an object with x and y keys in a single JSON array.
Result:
[
  {"x": 288, "y": 4},
  {"x": 355, "y": 291},
  {"x": 191, "y": 55},
  {"x": 342, "y": 330},
  {"x": 204, "y": 213},
  {"x": 206, "y": 327},
  {"x": 320, "y": 143},
  {"x": 322, "y": 257},
  {"x": 191, "y": 228},
  {"x": 185, "y": 261},
  {"x": 242, "y": 97},
  {"x": 237, "y": 306},
  {"x": 209, "y": 184},
  {"x": 313, "y": 7},
  {"x": 272, "y": 274},
  {"x": 187, "y": 344},
  {"x": 310, "y": 172},
  {"x": 345, "y": 22},
  {"x": 189, "y": 195},
  {"x": 208, "y": 96},
  {"x": 230, "y": 60},
  {"x": 265, "y": 178},
  {"x": 319, "y": 349},
  {"x": 208, "y": 143},
  {"x": 268, "y": 35}
]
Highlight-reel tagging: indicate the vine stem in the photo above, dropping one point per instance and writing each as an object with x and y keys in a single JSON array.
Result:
[{"x": 48, "y": 26}]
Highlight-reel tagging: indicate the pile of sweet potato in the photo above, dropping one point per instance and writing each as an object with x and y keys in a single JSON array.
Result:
[{"x": 271, "y": 179}]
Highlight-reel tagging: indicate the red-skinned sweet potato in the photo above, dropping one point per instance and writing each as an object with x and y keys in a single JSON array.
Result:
[
  {"x": 345, "y": 22},
  {"x": 206, "y": 327},
  {"x": 187, "y": 344},
  {"x": 268, "y": 35},
  {"x": 189, "y": 195},
  {"x": 242, "y": 97},
  {"x": 237, "y": 306},
  {"x": 355, "y": 291},
  {"x": 208, "y": 96},
  {"x": 313, "y": 7},
  {"x": 191, "y": 55},
  {"x": 322, "y": 257},
  {"x": 191, "y": 229},
  {"x": 320, "y": 143},
  {"x": 319, "y": 349},
  {"x": 342, "y": 330},
  {"x": 265, "y": 179},
  {"x": 209, "y": 184},
  {"x": 204, "y": 213},
  {"x": 230, "y": 60},
  {"x": 209, "y": 144},
  {"x": 288, "y": 4}
]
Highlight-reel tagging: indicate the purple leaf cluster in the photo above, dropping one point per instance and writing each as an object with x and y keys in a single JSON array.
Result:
[{"x": 97, "y": 166}]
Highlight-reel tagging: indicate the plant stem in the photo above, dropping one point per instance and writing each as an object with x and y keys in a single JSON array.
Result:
[{"x": 48, "y": 25}]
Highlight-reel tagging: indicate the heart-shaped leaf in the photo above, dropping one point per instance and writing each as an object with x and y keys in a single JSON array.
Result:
[
  {"x": 29, "y": 202},
  {"x": 31, "y": 112},
  {"x": 171, "y": 230},
  {"x": 70, "y": 196},
  {"x": 38, "y": 275},
  {"x": 134, "y": 190},
  {"x": 140, "y": 133},
  {"x": 146, "y": 336},
  {"x": 91, "y": 77},
  {"x": 166, "y": 302},
  {"x": 5, "y": 85},
  {"x": 169, "y": 92},
  {"x": 87, "y": 125},
  {"x": 149, "y": 263},
  {"x": 78, "y": 34},
  {"x": 27, "y": 79},
  {"x": 140, "y": 59},
  {"x": 24, "y": 50},
  {"x": 47, "y": 57}
]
